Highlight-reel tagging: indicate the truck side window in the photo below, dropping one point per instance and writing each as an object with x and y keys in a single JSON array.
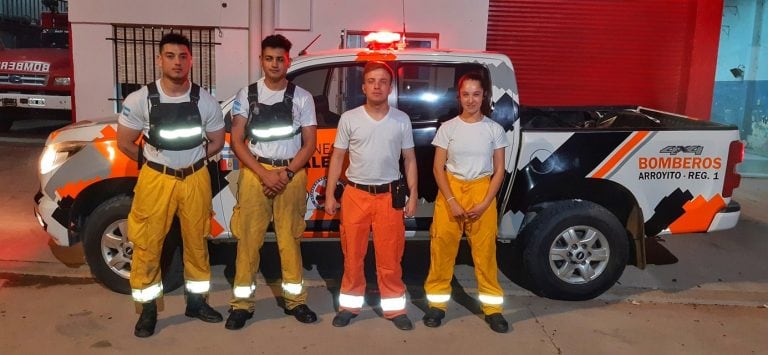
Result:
[
  {"x": 427, "y": 92},
  {"x": 335, "y": 89}
]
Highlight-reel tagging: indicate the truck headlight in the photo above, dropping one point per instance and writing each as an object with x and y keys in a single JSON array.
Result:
[
  {"x": 62, "y": 80},
  {"x": 56, "y": 154}
]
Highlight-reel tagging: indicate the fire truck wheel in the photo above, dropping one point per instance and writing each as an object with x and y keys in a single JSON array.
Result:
[
  {"x": 108, "y": 251},
  {"x": 574, "y": 250}
]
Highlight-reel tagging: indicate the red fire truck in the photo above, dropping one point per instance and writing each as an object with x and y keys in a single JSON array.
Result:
[{"x": 37, "y": 82}]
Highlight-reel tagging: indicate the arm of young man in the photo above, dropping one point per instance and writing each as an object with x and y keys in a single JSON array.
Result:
[
  {"x": 308, "y": 143},
  {"x": 272, "y": 180},
  {"x": 438, "y": 169},
  {"x": 215, "y": 142},
  {"x": 412, "y": 176},
  {"x": 126, "y": 141},
  {"x": 496, "y": 179},
  {"x": 334, "y": 172}
]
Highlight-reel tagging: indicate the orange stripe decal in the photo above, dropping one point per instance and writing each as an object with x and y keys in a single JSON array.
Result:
[
  {"x": 216, "y": 228},
  {"x": 698, "y": 215},
  {"x": 621, "y": 154}
]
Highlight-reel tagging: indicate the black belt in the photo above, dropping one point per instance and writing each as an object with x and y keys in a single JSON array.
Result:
[
  {"x": 274, "y": 162},
  {"x": 177, "y": 173},
  {"x": 373, "y": 189}
]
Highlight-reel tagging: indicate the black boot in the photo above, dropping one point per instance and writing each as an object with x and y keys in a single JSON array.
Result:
[
  {"x": 197, "y": 307},
  {"x": 145, "y": 326}
]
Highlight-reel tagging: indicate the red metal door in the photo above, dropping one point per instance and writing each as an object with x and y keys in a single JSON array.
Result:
[{"x": 609, "y": 52}]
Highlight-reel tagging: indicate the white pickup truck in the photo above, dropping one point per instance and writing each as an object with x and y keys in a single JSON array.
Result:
[{"x": 583, "y": 188}]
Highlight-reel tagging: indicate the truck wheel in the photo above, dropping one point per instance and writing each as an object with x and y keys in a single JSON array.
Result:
[
  {"x": 574, "y": 250},
  {"x": 108, "y": 251}
]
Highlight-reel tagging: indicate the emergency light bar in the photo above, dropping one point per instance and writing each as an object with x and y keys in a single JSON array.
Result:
[{"x": 382, "y": 40}]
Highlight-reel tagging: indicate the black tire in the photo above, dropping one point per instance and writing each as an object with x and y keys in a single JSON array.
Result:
[
  {"x": 557, "y": 269},
  {"x": 110, "y": 258}
]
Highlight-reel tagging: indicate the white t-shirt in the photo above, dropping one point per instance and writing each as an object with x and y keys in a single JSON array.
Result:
[
  {"x": 374, "y": 146},
  {"x": 135, "y": 115},
  {"x": 303, "y": 116},
  {"x": 470, "y": 146}
]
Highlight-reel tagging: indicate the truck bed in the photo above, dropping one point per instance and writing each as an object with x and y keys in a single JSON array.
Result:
[{"x": 610, "y": 118}]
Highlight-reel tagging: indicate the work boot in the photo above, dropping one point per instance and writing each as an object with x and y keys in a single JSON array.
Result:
[
  {"x": 237, "y": 318},
  {"x": 197, "y": 307},
  {"x": 342, "y": 318},
  {"x": 497, "y": 322},
  {"x": 302, "y": 313},
  {"x": 145, "y": 326},
  {"x": 434, "y": 317},
  {"x": 402, "y": 322}
]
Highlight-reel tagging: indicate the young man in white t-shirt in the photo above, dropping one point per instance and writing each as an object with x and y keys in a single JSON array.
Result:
[
  {"x": 273, "y": 135},
  {"x": 182, "y": 126},
  {"x": 375, "y": 135}
]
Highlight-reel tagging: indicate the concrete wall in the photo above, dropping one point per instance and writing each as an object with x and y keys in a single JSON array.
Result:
[
  {"x": 93, "y": 52},
  {"x": 460, "y": 23}
]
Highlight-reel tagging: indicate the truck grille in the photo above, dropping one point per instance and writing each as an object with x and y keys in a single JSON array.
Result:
[{"x": 23, "y": 79}]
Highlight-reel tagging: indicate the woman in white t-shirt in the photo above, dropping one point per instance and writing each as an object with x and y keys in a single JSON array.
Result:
[{"x": 469, "y": 169}]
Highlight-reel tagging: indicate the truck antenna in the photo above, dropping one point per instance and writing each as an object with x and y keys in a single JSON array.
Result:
[
  {"x": 304, "y": 51},
  {"x": 401, "y": 45}
]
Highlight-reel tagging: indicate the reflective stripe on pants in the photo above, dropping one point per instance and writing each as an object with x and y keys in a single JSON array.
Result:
[
  {"x": 250, "y": 220},
  {"x": 157, "y": 198},
  {"x": 360, "y": 212},
  {"x": 481, "y": 233}
]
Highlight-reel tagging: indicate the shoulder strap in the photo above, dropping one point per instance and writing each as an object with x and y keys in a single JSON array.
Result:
[
  {"x": 194, "y": 94},
  {"x": 288, "y": 96},
  {"x": 153, "y": 95},
  {"x": 253, "y": 93}
]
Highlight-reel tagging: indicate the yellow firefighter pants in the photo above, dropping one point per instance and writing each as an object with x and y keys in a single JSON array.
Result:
[
  {"x": 157, "y": 198},
  {"x": 250, "y": 220},
  {"x": 446, "y": 233}
]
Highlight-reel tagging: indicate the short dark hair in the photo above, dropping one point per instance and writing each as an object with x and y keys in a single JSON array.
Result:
[
  {"x": 373, "y": 65},
  {"x": 276, "y": 41},
  {"x": 175, "y": 38},
  {"x": 485, "y": 107}
]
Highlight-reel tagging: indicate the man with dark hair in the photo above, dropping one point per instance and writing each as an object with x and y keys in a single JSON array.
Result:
[
  {"x": 182, "y": 126},
  {"x": 376, "y": 135},
  {"x": 273, "y": 135}
]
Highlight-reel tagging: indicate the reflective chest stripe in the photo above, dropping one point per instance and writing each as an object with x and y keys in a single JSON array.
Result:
[{"x": 180, "y": 133}]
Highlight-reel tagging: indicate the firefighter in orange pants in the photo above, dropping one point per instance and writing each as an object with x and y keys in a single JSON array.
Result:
[
  {"x": 375, "y": 136},
  {"x": 469, "y": 169},
  {"x": 182, "y": 126}
]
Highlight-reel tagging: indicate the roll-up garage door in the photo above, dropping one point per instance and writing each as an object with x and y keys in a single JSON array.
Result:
[{"x": 597, "y": 52}]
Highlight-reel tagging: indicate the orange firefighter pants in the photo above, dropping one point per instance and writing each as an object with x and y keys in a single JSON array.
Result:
[
  {"x": 157, "y": 198},
  {"x": 446, "y": 233},
  {"x": 360, "y": 212},
  {"x": 250, "y": 220}
]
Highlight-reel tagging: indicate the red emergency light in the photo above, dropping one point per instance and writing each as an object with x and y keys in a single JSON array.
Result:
[{"x": 382, "y": 40}]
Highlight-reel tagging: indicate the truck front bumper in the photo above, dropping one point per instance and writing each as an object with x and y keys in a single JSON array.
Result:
[
  {"x": 46, "y": 102},
  {"x": 45, "y": 209}
]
